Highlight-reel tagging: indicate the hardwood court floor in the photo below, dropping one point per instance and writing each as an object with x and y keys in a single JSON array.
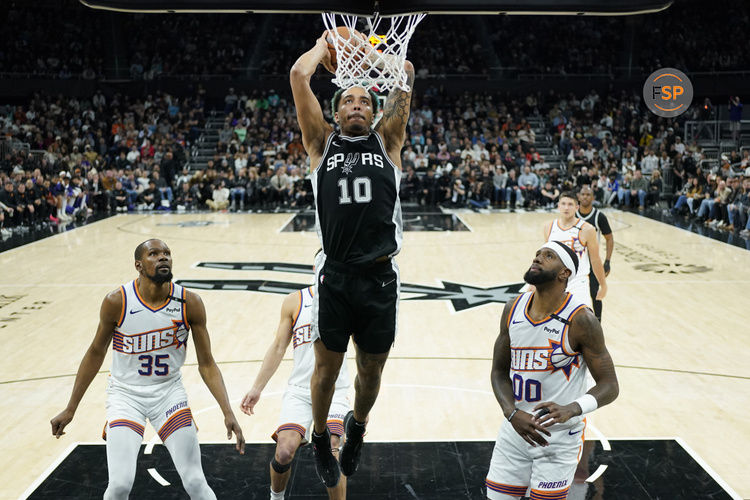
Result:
[{"x": 675, "y": 322}]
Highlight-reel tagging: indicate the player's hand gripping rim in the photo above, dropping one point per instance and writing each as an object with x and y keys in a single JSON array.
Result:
[
  {"x": 233, "y": 427},
  {"x": 549, "y": 413},
  {"x": 529, "y": 429}
]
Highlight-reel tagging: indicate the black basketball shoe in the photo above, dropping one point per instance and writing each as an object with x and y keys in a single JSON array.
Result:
[
  {"x": 325, "y": 463},
  {"x": 353, "y": 446}
]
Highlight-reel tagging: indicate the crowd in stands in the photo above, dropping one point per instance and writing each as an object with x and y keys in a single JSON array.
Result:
[
  {"x": 94, "y": 44},
  {"x": 65, "y": 158},
  {"x": 188, "y": 44},
  {"x": 117, "y": 153}
]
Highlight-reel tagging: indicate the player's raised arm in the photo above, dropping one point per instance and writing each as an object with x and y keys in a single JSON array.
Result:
[
  {"x": 313, "y": 125},
  {"x": 275, "y": 352},
  {"x": 392, "y": 125},
  {"x": 110, "y": 314},
  {"x": 207, "y": 367},
  {"x": 523, "y": 422}
]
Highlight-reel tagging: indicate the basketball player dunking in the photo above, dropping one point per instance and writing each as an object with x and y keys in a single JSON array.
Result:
[
  {"x": 355, "y": 175},
  {"x": 296, "y": 408},
  {"x": 148, "y": 321},
  {"x": 548, "y": 340},
  {"x": 588, "y": 213},
  {"x": 580, "y": 237}
]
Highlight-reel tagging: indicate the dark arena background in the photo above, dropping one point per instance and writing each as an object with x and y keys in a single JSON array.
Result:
[{"x": 127, "y": 120}]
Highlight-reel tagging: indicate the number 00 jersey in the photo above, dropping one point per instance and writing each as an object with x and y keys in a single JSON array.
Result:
[
  {"x": 543, "y": 366},
  {"x": 149, "y": 344},
  {"x": 358, "y": 212}
]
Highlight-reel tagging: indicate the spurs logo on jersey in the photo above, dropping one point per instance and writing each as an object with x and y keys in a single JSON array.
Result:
[
  {"x": 571, "y": 237},
  {"x": 352, "y": 159},
  {"x": 357, "y": 207},
  {"x": 149, "y": 344},
  {"x": 544, "y": 367},
  {"x": 304, "y": 354}
]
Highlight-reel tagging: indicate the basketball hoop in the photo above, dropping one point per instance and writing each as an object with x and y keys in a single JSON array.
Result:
[{"x": 377, "y": 60}]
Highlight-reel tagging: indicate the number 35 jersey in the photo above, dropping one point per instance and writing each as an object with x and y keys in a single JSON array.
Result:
[
  {"x": 149, "y": 344},
  {"x": 358, "y": 211}
]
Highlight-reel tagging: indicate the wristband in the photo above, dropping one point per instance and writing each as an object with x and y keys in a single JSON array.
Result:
[
  {"x": 510, "y": 417},
  {"x": 588, "y": 403}
]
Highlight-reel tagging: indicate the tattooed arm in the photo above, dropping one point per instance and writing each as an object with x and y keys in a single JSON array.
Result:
[{"x": 392, "y": 126}]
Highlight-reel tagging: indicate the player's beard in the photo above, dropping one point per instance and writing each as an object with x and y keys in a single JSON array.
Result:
[
  {"x": 355, "y": 129},
  {"x": 160, "y": 278},
  {"x": 539, "y": 277}
]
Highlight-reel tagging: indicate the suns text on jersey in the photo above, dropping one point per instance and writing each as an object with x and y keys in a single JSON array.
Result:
[
  {"x": 147, "y": 341},
  {"x": 530, "y": 359},
  {"x": 302, "y": 335}
]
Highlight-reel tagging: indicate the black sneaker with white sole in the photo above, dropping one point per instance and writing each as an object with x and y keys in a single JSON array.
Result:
[
  {"x": 326, "y": 464},
  {"x": 353, "y": 445}
]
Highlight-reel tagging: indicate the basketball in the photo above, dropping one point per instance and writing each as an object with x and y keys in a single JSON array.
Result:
[
  {"x": 559, "y": 359},
  {"x": 354, "y": 49}
]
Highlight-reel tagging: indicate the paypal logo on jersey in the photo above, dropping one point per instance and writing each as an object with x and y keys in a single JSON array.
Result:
[{"x": 350, "y": 160}]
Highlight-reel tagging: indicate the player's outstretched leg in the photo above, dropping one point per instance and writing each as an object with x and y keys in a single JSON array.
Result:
[
  {"x": 326, "y": 464},
  {"x": 287, "y": 442},
  {"x": 122, "y": 453},
  {"x": 186, "y": 455},
  {"x": 367, "y": 387},
  {"x": 352, "y": 449},
  {"x": 338, "y": 492}
]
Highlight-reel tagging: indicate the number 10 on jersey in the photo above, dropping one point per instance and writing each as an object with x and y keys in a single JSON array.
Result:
[{"x": 361, "y": 189}]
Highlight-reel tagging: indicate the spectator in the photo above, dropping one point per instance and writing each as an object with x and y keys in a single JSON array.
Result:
[
  {"x": 220, "y": 198},
  {"x": 639, "y": 188},
  {"x": 735, "y": 116},
  {"x": 550, "y": 195}
]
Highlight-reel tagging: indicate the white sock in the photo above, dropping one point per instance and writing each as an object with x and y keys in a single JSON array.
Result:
[{"x": 277, "y": 496}]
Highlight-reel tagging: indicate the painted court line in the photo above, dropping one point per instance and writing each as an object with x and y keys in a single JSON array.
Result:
[
  {"x": 159, "y": 479},
  {"x": 708, "y": 469},
  {"x": 44, "y": 475}
]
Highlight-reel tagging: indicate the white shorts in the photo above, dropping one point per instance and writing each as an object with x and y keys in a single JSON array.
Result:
[
  {"x": 296, "y": 412},
  {"x": 548, "y": 471},
  {"x": 164, "y": 405},
  {"x": 581, "y": 290}
]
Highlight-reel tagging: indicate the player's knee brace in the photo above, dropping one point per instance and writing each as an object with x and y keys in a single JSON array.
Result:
[{"x": 280, "y": 468}]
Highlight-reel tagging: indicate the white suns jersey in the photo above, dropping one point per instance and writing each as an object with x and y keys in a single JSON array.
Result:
[
  {"x": 571, "y": 237},
  {"x": 149, "y": 344},
  {"x": 534, "y": 347},
  {"x": 304, "y": 353}
]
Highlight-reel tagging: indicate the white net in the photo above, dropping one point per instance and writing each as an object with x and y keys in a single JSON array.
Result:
[{"x": 376, "y": 58}]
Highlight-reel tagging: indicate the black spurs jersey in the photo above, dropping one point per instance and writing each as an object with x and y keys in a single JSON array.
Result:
[{"x": 357, "y": 207}]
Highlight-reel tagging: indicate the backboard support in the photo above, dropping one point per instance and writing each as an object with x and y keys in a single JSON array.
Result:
[{"x": 389, "y": 7}]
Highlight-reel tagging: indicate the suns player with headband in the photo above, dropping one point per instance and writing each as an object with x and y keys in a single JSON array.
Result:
[
  {"x": 296, "y": 409},
  {"x": 148, "y": 321},
  {"x": 356, "y": 173},
  {"x": 581, "y": 237},
  {"x": 548, "y": 340}
]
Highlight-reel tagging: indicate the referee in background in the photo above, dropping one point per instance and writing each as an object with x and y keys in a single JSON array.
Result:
[{"x": 588, "y": 213}]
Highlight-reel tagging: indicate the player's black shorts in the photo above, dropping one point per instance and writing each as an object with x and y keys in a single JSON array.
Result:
[{"x": 361, "y": 302}]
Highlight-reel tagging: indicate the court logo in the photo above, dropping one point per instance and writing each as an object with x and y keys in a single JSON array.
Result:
[
  {"x": 668, "y": 92},
  {"x": 461, "y": 296}
]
